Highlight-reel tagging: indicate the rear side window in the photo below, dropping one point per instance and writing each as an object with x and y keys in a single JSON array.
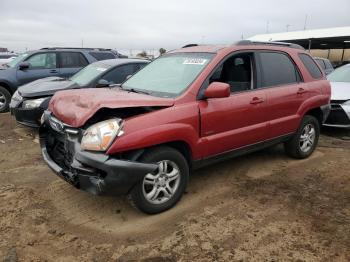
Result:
[
  {"x": 311, "y": 66},
  {"x": 328, "y": 64},
  {"x": 99, "y": 56},
  {"x": 72, "y": 60},
  {"x": 277, "y": 69},
  {"x": 321, "y": 63}
]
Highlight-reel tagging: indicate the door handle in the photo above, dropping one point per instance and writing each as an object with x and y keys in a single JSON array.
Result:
[
  {"x": 301, "y": 91},
  {"x": 256, "y": 100},
  {"x": 53, "y": 71}
]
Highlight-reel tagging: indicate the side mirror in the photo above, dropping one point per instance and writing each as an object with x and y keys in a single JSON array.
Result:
[
  {"x": 102, "y": 83},
  {"x": 217, "y": 90},
  {"x": 128, "y": 76},
  {"x": 23, "y": 65}
]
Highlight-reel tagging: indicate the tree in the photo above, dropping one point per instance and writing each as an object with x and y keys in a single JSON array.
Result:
[
  {"x": 142, "y": 54},
  {"x": 162, "y": 51}
]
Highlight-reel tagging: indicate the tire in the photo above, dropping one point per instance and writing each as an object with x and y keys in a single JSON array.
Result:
[
  {"x": 5, "y": 98},
  {"x": 305, "y": 140},
  {"x": 164, "y": 180}
]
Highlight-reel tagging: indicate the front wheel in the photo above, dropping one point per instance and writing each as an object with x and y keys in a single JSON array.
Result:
[
  {"x": 162, "y": 189},
  {"x": 305, "y": 140},
  {"x": 5, "y": 98}
]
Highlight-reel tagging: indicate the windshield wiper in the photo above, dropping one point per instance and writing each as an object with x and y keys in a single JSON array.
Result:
[{"x": 136, "y": 91}]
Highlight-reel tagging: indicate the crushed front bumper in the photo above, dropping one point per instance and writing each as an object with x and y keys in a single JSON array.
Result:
[{"x": 96, "y": 173}]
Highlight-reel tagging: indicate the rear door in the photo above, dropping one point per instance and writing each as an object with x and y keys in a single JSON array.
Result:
[
  {"x": 70, "y": 63},
  {"x": 285, "y": 92},
  {"x": 41, "y": 65},
  {"x": 240, "y": 119}
]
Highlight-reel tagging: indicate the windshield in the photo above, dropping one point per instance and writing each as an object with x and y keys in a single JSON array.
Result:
[
  {"x": 15, "y": 61},
  {"x": 341, "y": 74},
  {"x": 88, "y": 74},
  {"x": 169, "y": 75}
]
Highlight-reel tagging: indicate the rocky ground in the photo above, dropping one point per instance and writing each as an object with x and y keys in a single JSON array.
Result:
[{"x": 260, "y": 207}]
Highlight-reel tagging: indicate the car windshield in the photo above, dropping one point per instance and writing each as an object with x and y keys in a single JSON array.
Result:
[
  {"x": 89, "y": 73},
  {"x": 169, "y": 75},
  {"x": 18, "y": 59},
  {"x": 341, "y": 74}
]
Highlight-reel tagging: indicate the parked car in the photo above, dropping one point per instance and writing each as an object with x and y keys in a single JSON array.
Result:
[
  {"x": 189, "y": 108},
  {"x": 30, "y": 66},
  {"x": 6, "y": 58},
  {"x": 31, "y": 100},
  {"x": 325, "y": 64},
  {"x": 340, "y": 100}
]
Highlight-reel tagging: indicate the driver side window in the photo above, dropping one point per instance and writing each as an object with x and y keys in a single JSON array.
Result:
[
  {"x": 237, "y": 71},
  {"x": 42, "y": 61},
  {"x": 119, "y": 74}
]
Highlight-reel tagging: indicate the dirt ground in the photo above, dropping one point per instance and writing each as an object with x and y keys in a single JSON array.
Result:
[{"x": 260, "y": 207}]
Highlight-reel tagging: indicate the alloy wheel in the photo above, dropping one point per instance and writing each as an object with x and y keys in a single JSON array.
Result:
[
  {"x": 161, "y": 186},
  {"x": 307, "y": 138}
]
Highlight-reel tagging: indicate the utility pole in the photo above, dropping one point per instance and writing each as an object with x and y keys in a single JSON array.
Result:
[
  {"x": 82, "y": 43},
  {"x": 305, "y": 23},
  {"x": 287, "y": 27},
  {"x": 267, "y": 27}
]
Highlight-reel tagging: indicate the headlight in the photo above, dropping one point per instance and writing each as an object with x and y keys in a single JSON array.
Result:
[
  {"x": 100, "y": 136},
  {"x": 347, "y": 103},
  {"x": 27, "y": 104},
  {"x": 17, "y": 96}
]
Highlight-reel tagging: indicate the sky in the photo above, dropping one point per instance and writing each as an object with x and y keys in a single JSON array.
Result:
[{"x": 152, "y": 24}]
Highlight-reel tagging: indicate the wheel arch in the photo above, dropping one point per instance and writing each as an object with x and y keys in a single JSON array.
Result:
[
  {"x": 317, "y": 113},
  {"x": 6, "y": 86}
]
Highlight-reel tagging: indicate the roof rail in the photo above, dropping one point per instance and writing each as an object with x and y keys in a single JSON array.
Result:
[
  {"x": 249, "y": 42},
  {"x": 189, "y": 45},
  {"x": 76, "y": 48}
]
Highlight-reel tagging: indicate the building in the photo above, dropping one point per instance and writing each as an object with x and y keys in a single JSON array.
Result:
[{"x": 331, "y": 43}]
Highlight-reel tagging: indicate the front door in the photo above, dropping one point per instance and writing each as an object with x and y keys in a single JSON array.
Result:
[
  {"x": 41, "y": 65},
  {"x": 240, "y": 119}
]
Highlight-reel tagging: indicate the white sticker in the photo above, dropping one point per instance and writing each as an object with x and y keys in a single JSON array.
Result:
[
  {"x": 195, "y": 61},
  {"x": 101, "y": 69}
]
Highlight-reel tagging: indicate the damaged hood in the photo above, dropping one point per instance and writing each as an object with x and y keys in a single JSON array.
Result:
[{"x": 75, "y": 107}]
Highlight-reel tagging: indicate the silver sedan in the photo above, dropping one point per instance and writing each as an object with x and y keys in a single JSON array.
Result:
[{"x": 340, "y": 99}]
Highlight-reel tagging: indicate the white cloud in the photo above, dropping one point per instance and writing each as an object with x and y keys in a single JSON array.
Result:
[{"x": 155, "y": 23}]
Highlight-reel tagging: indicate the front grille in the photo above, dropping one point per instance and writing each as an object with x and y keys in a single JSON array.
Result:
[
  {"x": 338, "y": 116},
  {"x": 338, "y": 101}
]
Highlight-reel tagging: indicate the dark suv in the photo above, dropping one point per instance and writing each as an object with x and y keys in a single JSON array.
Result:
[
  {"x": 33, "y": 65},
  {"x": 187, "y": 109}
]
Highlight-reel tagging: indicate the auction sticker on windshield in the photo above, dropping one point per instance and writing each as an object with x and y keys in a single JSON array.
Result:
[{"x": 195, "y": 61}]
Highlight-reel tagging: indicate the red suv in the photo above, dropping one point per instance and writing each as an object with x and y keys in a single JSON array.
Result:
[{"x": 187, "y": 109}]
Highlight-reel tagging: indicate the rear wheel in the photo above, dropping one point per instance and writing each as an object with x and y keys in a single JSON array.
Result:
[
  {"x": 162, "y": 189},
  {"x": 304, "y": 142},
  {"x": 5, "y": 98}
]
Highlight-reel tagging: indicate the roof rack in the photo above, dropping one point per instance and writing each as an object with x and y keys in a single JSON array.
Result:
[
  {"x": 76, "y": 48},
  {"x": 249, "y": 42},
  {"x": 189, "y": 45}
]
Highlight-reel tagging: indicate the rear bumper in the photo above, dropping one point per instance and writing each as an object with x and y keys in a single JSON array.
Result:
[{"x": 96, "y": 173}]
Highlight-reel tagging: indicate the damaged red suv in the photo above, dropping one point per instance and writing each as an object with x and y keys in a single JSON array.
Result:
[{"x": 187, "y": 109}]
